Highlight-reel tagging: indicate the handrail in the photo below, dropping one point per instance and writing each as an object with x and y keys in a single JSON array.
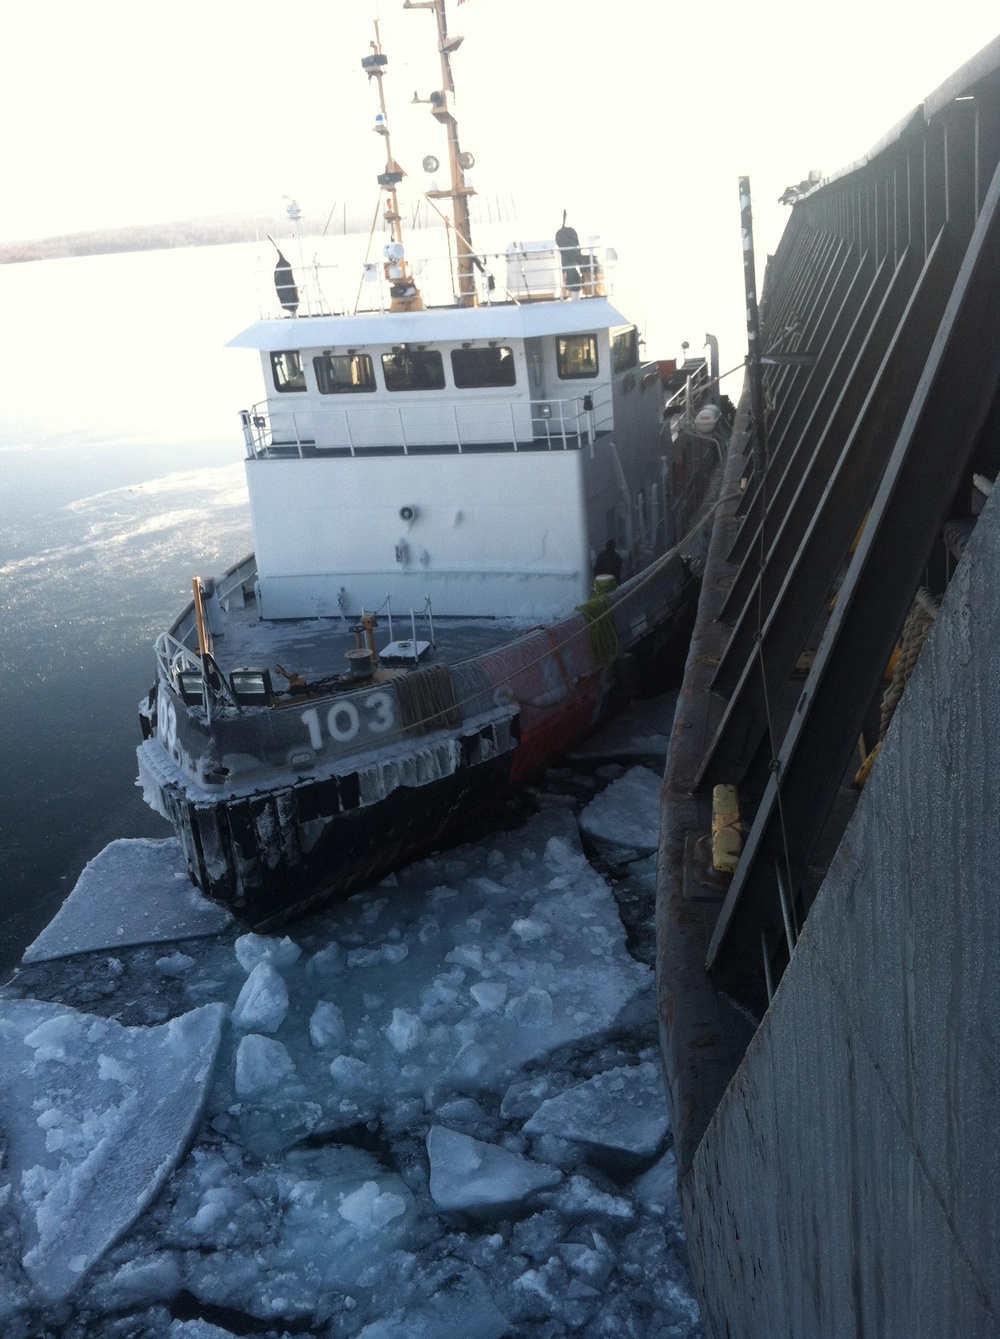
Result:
[
  {"x": 564, "y": 424},
  {"x": 523, "y": 271}
]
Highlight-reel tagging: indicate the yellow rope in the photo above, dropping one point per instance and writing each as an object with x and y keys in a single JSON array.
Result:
[{"x": 603, "y": 633}]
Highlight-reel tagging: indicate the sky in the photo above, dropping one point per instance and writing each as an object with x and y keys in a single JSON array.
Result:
[{"x": 636, "y": 116}]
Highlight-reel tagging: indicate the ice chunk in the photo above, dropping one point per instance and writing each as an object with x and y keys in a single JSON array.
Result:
[
  {"x": 371, "y": 957},
  {"x": 351, "y": 1072},
  {"x": 580, "y": 1198},
  {"x": 130, "y": 893},
  {"x": 326, "y": 1026},
  {"x": 262, "y": 1064},
  {"x": 370, "y": 1209},
  {"x": 405, "y": 1032},
  {"x": 528, "y": 929},
  {"x": 471, "y": 1175},
  {"x": 263, "y": 1002},
  {"x": 622, "y": 1109},
  {"x": 592, "y": 1263},
  {"x": 459, "y": 1308},
  {"x": 489, "y": 995},
  {"x": 466, "y": 955},
  {"x": 627, "y": 813},
  {"x": 252, "y": 949},
  {"x": 532, "y": 1009},
  {"x": 138, "y": 1283},
  {"x": 328, "y": 961},
  {"x": 175, "y": 964},
  {"x": 657, "y": 1188},
  {"x": 558, "y": 852},
  {"x": 104, "y": 1148},
  {"x": 197, "y": 1329}
]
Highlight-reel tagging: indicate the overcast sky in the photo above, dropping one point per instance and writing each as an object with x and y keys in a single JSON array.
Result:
[{"x": 635, "y": 115}]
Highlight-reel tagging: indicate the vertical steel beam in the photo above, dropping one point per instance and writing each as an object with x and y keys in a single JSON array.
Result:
[
  {"x": 754, "y": 377},
  {"x": 954, "y": 397},
  {"x": 795, "y": 583}
]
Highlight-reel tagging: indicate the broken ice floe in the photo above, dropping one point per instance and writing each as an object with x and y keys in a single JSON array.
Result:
[
  {"x": 627, "y": 813},
  {"x": 471, "y": 1175},
  {"x": 95, "y": 1116},
  {"x": 481, "y": 987},
  {"x": 622, "y": 1109},
  {"x": 135, "y": 891}
]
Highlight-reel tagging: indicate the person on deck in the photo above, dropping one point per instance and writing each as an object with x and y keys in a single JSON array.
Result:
[{"x": 609, "y": 563}]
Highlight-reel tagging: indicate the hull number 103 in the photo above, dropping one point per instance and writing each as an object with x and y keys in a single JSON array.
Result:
[{"x": 344, "y": 720}]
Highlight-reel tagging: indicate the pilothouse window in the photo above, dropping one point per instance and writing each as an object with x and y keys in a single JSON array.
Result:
[
  {"x": 472, "y": 368},
  {"x": 288, "y": 372},
  {"x": 344, "y": 373},
  {"x": 576, "y": 356},
  {"x": 409, "y": 369},
  {"x": 625, "y": 350}
]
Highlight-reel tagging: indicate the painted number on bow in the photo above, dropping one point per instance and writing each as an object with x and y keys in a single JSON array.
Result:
[{"x": 344, "y": 720}]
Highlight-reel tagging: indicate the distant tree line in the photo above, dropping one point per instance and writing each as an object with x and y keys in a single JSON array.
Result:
[
  {"x": 222, "y": 228},
  {"x": 187, "y": 232}
]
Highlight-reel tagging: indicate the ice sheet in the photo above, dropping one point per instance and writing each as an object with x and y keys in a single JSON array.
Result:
[
  {"x": 94, "y": 1116},
  {"x": 627, "y": 814},
  {"x": 472, "y": 1175},
  {"x": 135, "y": 891},
  {"x": 623, "y": 1109}
]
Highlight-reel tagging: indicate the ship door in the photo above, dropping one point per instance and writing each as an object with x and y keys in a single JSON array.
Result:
[{"x": 541, "y": 408}]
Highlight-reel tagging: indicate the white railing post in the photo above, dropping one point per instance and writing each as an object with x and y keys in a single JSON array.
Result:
[{"x": 350, "y": 431}]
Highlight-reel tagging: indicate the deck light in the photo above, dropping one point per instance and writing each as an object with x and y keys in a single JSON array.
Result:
[
  {"x": 251, "y": 687},
  {"x": 430, "y": 163},
  {"x": 190, "y": 685}
]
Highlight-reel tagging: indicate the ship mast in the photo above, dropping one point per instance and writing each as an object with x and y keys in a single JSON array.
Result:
[
  {"x": 404, "y": 294},
  {"x": 458, "y": 162}
]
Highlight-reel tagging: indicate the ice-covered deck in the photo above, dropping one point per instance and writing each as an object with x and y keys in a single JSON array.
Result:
[{"x": 316, "y": 647}]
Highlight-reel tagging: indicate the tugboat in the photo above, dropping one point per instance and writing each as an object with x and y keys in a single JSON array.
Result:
[{"x": 473, "y": 516}]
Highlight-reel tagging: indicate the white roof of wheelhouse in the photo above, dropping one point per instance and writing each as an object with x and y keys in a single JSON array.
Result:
[{"x": 502, "y": 321}]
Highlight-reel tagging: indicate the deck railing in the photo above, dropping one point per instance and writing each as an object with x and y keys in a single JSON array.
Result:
[
  {"x": 462, "y": 425},
  {"x": 525, "y": 272}
]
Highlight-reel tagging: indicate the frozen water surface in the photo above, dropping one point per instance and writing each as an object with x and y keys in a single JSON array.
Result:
[
  {"x": 394, "y": 1121},
  {"x": 105, "y": 909},
  {"x": 627, "y": 813},
  {"x": 95, "y": 1117}
]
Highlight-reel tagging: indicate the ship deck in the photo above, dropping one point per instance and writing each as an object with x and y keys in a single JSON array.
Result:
[{"x": 316, "y": 648}]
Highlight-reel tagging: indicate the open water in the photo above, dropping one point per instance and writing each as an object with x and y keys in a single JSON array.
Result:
[{"x": 120, "y": 477}]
